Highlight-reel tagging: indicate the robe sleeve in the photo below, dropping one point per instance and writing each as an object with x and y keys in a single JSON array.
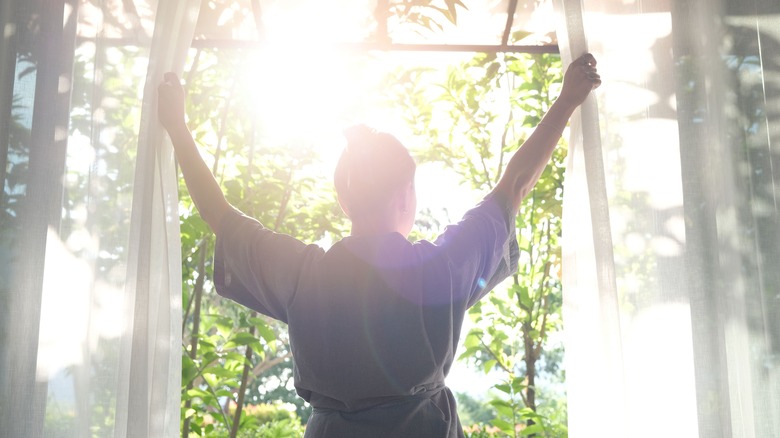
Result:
[
  {"x": 257, "y": 267},
  {"x": 482, "y": 248}
]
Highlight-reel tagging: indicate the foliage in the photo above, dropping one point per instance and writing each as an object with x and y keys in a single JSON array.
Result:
[
  {"x": 288, "y": 428},
  {"x": 424, "y": 16},
  {"x": 264, "y": 420},
  {"x": 472, "y": 410},
  {"x": 11, "y": 197}
]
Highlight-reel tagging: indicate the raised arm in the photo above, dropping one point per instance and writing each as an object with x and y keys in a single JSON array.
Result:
[
  {"x": 526, "y": 165},
  {"x": 203, "y": 188}
]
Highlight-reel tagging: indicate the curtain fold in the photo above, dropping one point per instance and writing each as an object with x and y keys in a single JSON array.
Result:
[
  {"x": 591, "y": 308},
  {"x": 90, "y": 297},
  {"x": 684, "y": 342},
  {"x": 153, "y": 382}
]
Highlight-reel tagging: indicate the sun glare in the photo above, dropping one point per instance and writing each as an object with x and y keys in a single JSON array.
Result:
[
  {"x": 303, "y": 97},
  {"x": 305, "y": 91}
]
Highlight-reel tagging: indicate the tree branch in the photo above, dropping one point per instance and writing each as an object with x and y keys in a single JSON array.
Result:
[
  {"x": 266, "y": 365},
  {"x": 495, "y": 356}
]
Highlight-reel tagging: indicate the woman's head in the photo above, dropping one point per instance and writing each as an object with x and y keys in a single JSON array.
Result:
[{"x": 375, "y": 181}]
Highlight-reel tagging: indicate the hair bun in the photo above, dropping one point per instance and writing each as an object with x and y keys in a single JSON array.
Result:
[{"x": 358, "y": 135}]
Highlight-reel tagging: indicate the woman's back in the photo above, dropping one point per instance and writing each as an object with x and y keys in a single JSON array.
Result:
[{"x": 374, "y": 321}]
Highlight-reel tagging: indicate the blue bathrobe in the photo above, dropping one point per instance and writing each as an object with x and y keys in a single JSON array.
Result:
[{"x": 374, "y": 321}]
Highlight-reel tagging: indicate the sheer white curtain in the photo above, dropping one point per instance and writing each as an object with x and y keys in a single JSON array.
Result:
[
  {"x": 91, "y": 285},
  {"x": 672, "y": 220}
]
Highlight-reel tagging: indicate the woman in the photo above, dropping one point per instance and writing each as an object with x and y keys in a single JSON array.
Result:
[{"x": 375, "y": 320}]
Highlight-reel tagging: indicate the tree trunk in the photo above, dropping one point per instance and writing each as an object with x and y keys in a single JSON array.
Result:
[
  {"x": 244, "y": 384},
  {"x": 530, "y": 392},
  {"x": 198, "y": 292},
  {"x": 530, "y": 371}
]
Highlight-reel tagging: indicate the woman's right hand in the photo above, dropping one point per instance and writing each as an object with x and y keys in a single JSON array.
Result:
[{"x": 579, "y": 80}]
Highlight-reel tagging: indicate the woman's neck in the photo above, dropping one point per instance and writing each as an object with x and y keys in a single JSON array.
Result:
[
  {"x": 371, "y": 229},
  {"x": 375, "y": 225}
]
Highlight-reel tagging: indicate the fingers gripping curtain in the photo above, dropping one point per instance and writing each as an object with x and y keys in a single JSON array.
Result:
[
  {"x": 90, "y": 301},
  {"x": 681, "y": 182}
]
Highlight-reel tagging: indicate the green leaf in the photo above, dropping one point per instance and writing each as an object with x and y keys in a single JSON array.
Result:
[
  {"x": 188, "y": 370},
  {"x": 518, "y": 384},
  {"x": 468, "y": 353},
  {"x": 520, "y": 34},
  {"x": 244, "y": 338},
  {"x": 532, "y": 429},
  {"x": 265, "y": 331},
  {"x": 492, "y": 70},
  {"x": 205, "y": 344},
  {"x": 525, "y": 298},
  {"x": 489, "y": 365},
  {"x": 201, "y": 394},
  {"x": 224, "y": 393},
  {"x": 219, "y": 372},
  {"x": 503, "y": 387},
  {"x": 503, "y": 407},
  {"x": 235, "y": 356},
  {"x": 472, "y": 340},
  {"x": 505, "y": 426},
  {"x": 529, "y": 414},
  {"x": 452, "y": 14}
]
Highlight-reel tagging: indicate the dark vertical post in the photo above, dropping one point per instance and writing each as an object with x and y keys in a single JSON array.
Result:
[
  {"x": 7, "y": 68},
  {"x": 381, "y": 14},
  {"x": 24, "y": 413},
  {"x": 510, "y": 17}
]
